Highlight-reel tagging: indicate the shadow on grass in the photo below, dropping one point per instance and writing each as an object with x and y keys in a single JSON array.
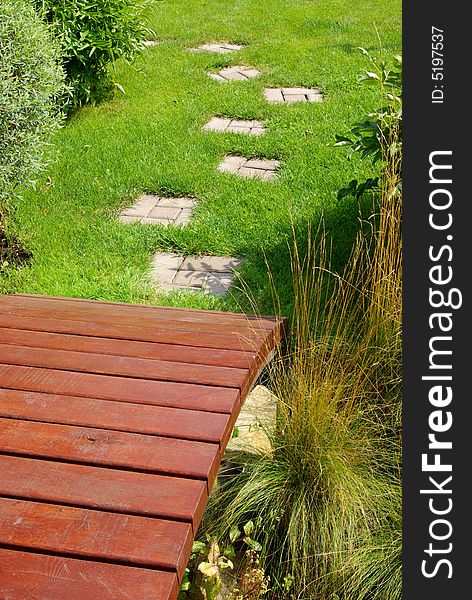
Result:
[
  {"x": 12, "y": 252},
  {"x": 341, "y": 223}
]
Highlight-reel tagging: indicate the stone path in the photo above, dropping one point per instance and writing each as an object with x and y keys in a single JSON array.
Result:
[
  {"x": 208, "y": 274},
  {"x": 159, "y": 211},
  {"x": 227, "y": 125},
  {"x": 264, "y": 169},
  {"x": 218, "y": 48},
  {"x": 279, "y": 95},
  {"x": 238, "y": 73},
  {"x": 212, "y": 274}
]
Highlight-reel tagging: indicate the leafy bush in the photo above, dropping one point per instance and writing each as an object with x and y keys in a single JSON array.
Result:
[
  {"x": 31, "y": 89},
  {"x": 94, "y": 34},
  {"x": 379, "y": 135}
]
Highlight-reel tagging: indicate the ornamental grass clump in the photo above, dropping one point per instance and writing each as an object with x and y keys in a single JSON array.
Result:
[{"x": 329, "y": 488}]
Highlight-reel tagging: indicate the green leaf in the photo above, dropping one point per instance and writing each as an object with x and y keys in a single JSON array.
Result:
[
  {"x": 207, "y": 569},
  {"x": 364, "y": 51},
  {"x": 120, "y": 88},
  {"x": 253, "y": 544},
  {"x": 369, "y": 77},
  {"x": 249, "y": 527},
  {"x": 225, "y": 563},
  {"x": 186, "y": 583},
  {"x": 198, "y": 547},
  {"x": 234, "y": 534}
]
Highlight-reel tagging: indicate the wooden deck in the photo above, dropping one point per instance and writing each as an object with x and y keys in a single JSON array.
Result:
[{"x": 113, "y": 422}]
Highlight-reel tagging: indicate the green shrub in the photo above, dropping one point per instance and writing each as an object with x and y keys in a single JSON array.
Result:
[
  {"x": 31, "y": 92},
  {"x": 379, "y": 136},
  {"x": 94, "y": 34}
]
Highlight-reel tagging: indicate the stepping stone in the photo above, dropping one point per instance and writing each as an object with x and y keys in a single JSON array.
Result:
[
  {"x": 207, "y": 274},
  {"x": 256, "y": 420},
  {"x": 158, "y": 210},
  {"x": 238, "y": 73},
  {"x": 250, "y": 167},
  {"x": 219, "y": 48},
  {"x": 289, "y": 95},
  {"x": 226, "y": 125}
]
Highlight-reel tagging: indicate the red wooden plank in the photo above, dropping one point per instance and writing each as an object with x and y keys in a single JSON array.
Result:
[
  {"x": 125, "y": 332},
  {"x": 92, "y": 534},
  {"x": 89, "y": 362},
  {"x": 110, "y": 448},
  {"x": 182, "y": 314},
  {"x": 104, "y": 391},
  {"x": 122, "y": 389},
  {"x": 118, "y": 416},
  {"x": 107, "y": 489},
  {"x": 150, "y": 350},
  {"x": 97, "y": 314},
  {"x": 30, "y": 576}
]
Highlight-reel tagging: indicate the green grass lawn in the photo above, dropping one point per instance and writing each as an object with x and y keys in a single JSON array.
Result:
[{"x": 151, "y": 139}]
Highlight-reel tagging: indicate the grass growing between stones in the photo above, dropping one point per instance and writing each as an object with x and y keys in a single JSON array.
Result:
[{"x": 151, "y": 140}]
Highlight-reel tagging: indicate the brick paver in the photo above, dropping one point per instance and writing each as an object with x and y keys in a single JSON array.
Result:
[
  {"x": 264, "y": 169},
  {"x": 159, "y": 210},
  {"x": 227, "y": 125},
  {"x": 207, "y": 274},
  {"x": 237, "y": 73},
  {"x": 288, "y": 95},
  {"x": 218, "y": 48}
]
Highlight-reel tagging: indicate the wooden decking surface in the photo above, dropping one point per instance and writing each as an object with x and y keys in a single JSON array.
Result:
[{"x": 113, "y": 422}]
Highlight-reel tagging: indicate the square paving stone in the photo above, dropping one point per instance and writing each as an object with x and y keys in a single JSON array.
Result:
[
  {"x": 165, "y": 266},
  {"x": 211, "y": 264},
  {"x": 207, "y": 274},
  {"x": 219, "y": 283},
  {"x": 158, "y": 210},
  {"x": 190, "y": 278},
  {"x": 231, "y": 164},
  {"x": 162, "y": 213},
  {"x": 237, "y": 73},
  {"x": 289, "y": 95},
  {"x": 265, "y": 169},
  {"x": 226, "y": 125},
  {"x": 218, "y": 48}
]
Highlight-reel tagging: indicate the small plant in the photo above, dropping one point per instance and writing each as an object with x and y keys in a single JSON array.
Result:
[
  {"x": 253, "y": 582},
  {"x": 209, "y": 559},
  {"x": 94, "y": 34},
  {"x": 211, "y": 570},
  {"x": 203, "y": 579},
  {"x": 379, "y": 135}
]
